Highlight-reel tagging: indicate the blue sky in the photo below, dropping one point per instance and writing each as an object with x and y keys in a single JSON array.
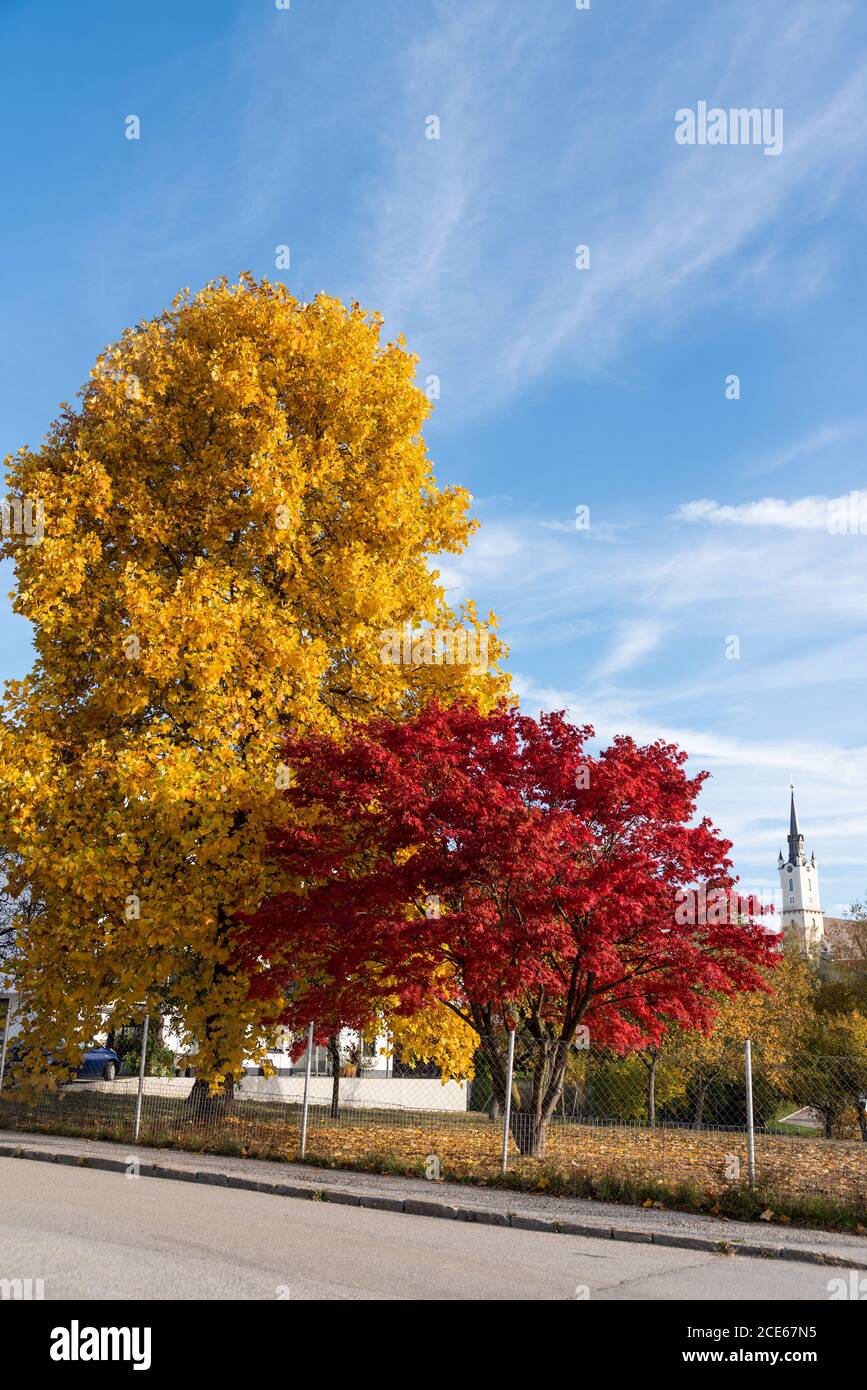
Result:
[{"x": 560, "y": 387}]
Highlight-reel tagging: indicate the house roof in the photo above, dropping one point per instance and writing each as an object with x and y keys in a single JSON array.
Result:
[{"x": 841, "y": 937}]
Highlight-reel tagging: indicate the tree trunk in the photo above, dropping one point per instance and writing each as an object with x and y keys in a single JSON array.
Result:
[
  {"x": 530, "y": 1114},
  {"x": 699, "y": 1104},
  {"x": 205, "y": 1108},
  {"x": 334, "y": 1054},
  {"x": 529, "y": 1133},
  {"x": 651, "y": 1091},
  {"x": 862, "y": 1122}
]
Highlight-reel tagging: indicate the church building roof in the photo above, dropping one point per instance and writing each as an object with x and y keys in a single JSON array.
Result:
[
  {"x": 796, "y": 839},
  {"x": 841, "y": 939}
]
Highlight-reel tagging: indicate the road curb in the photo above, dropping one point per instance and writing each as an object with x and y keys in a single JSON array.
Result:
[{"x": 443, "y": 1211}]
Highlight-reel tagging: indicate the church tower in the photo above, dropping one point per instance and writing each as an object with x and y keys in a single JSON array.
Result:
[{"x": 802, "y": 918}]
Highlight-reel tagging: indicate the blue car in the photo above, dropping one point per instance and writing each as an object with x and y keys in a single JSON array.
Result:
[
  {"x": 97, "y": 1063},
  {"x": 100, "y": 1062}
]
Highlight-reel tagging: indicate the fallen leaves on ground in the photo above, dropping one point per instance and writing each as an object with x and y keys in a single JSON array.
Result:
[{"x": 704, "y": 1159}]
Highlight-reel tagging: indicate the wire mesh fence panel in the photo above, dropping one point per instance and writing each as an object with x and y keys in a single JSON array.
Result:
[
  {"x": 172, "y": 1116},
  {"x": 584, "y": 1120},
  {"x": 812, "y": 1139},
  {"x": 678, "y": 1119},
  {"x": 592, "y": 1120},
  {"x": 573, "y": 1115},
  {"x": 77, "y": 1110},
  {"x": 415, "y": 1121},
  {"x": 580, "y": 1120}
]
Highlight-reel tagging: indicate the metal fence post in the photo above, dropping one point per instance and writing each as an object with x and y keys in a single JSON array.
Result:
[
  {"x": 5, "y": 1039},
  {"x": 305, "y": 1104},
  {"x": 507, "y": 1111},
  {"x": 751, "y": 1133},
  {"x": 141, "y": 1075}
]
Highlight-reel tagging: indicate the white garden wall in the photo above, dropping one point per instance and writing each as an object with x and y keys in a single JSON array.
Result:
[{"x": 358, "y": 1092}]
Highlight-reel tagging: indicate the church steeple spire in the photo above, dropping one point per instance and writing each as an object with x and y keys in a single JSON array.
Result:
[
  {"x": 803, "y": 920},
  {"x": 796, "y": 839}
]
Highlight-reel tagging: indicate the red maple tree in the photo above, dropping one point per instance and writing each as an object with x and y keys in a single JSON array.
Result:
[{"x": 554, "y": 873}]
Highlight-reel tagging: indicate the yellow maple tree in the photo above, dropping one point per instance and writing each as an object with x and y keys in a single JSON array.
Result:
[
  {"x": 435, "y": 1034},
  {"x": 238, "y": 517}
]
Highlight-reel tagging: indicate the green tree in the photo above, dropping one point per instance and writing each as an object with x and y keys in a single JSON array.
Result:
[
  {"x": 829, "y": 1072},
  {"x": 776, "y": 1020}
]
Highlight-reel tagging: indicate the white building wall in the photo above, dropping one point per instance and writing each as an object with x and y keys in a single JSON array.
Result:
[{"x": 9, "y": 1001}]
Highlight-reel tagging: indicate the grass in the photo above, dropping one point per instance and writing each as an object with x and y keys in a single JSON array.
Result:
[{"x": 777, "y": 1125}]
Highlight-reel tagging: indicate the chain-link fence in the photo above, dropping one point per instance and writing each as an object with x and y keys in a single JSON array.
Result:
[{"x": 566, "y": 1119}]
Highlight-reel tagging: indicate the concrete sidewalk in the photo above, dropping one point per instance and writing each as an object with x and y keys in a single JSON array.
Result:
[{"x": 457, "y": 1201}]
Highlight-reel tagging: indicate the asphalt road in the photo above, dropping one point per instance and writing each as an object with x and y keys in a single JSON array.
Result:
[{"x": 102, "y": 1235}]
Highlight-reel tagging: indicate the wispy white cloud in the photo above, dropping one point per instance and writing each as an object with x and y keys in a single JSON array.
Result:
[
  {"x": 734, "y": 579},
  {"x": 607, "y": 532},
  {"x": 833, "y": 514},
  {"x": 634, "y": 641},
  {"x": 747, "y": 791},
  {"x": 473, "y": 241},
  {"x": 636, "y": 636},
  {"x": 810, "y": 445}
]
